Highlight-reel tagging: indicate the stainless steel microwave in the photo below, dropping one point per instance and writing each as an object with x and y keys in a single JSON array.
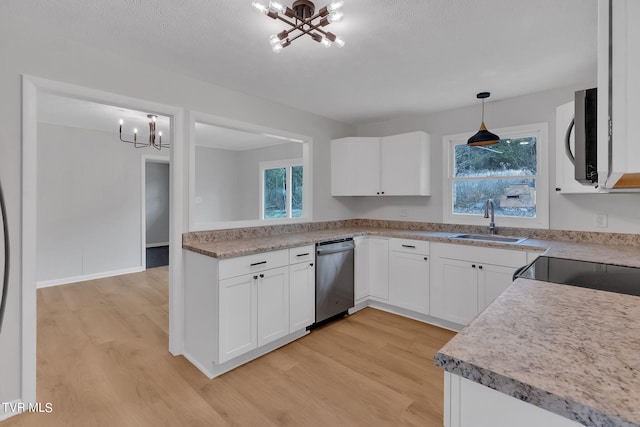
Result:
[{"x": 585, "y": 123}]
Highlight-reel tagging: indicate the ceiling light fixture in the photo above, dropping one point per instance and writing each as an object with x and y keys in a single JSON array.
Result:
[
  {"x": 303, "y": 20},
  {"x": 483, "y": 137},
  {"x": 158, "y": 145}
]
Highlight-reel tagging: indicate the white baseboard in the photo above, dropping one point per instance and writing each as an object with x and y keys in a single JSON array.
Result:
[
  {"x": 4, "y": 414},
  {"x": 157, "y": 245},
  {"x": 76, "y": 279}
]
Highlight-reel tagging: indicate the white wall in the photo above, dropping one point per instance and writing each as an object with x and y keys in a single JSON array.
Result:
[
  {"x": 567, "y": 212},
  {"x": 156, "y": 202},
  {"x": 89, "y": 204},
  {"x": 24, "y": 52}
]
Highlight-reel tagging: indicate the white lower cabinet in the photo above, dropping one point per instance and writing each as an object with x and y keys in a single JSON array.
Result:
[
  {"x": 469, "y": 404},
  {"x": 273, "y": 305},
  {"x": 466, "y": 279},
  {"x": 238, "y": 322},
  {"x": 379, "y": 268},
  {"x": 361, "y": 268},
  {"x": 302, "y": 294},
  {"x": 409, "y": 275}
]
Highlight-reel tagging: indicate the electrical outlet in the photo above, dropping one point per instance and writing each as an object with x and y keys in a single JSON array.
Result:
[
  {"x": 601, "y": 220},
  {"x": 403, "y": 213}
]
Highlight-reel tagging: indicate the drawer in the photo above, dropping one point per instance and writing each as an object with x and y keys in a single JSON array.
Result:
[
  {"x": 302, "y": 254},
  {"x": 233, "y": 267},
  {"x": 410, "y": 246}
]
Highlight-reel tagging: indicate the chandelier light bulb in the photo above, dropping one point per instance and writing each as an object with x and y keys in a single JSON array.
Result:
[
  {"x": 135, "y": 130},
  {"x": 274, "y": 40},
  {"x": 325, "y": 42},
  {"x": 339, "y": 42},
  {"x": 335, "y": 5},
  {"x": 259, "y": 6},
  {"x": 159, "y": 133},
  {"x": 277, "y": 7},
  {"x": 277, "y": 47},
  {"x": 336, "y": 17},
  {"x": 121, "y": 122}
]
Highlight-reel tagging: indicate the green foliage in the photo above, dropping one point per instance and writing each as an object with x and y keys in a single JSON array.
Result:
[{"x": 510, "y": 157}]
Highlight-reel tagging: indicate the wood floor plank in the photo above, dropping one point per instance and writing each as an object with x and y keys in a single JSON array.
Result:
[{"x": 103, "y": 361}]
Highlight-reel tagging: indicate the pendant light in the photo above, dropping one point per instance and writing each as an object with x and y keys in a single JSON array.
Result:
[{"x": 483, "y": 137}]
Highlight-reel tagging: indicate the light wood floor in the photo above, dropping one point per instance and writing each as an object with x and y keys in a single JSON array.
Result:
[{"x": 103, "y": 361}]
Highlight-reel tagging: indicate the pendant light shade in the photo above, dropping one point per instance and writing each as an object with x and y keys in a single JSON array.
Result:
[{"x": 483, "y": 137}]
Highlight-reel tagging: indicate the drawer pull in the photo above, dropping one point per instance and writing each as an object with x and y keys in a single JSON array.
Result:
[
  {"x": 255, "y": 277},
  {"x": 262, "y": 276},
  {"x": 258, "y": 263},
  {"x": 307, "y": 254},
  {"x": 409, "y": 246},
  {"x": 426, "y": 258}
]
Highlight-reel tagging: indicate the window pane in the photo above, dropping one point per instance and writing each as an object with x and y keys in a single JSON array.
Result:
[
  {"x": 510, "y": 157},
  {"x": 296, "y": 192},
  {"x": 275, "y": 193},
  {"x": 512, "y": 197}
]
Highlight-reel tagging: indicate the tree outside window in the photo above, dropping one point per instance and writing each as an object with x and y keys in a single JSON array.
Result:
[{"x": 281, "y": 189}]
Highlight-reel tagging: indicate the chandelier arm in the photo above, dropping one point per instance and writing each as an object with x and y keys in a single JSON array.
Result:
[{"x": 303, "y": 22}]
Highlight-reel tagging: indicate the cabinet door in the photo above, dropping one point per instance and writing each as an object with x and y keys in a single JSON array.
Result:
[
  {"x": 492, "y": 281},
  {"x": 409, "y": 281},
  {"x": 273, "y": 305},
  {"x": 238, "y": 306},
  {"x": 302, "y": 296},
  {"x": 355, "y": 167},
  {"x": 404, "y": 165},
  {"x": 361, "y": 268},
  {"x": 454, "y": 290},
  {"x": 379, "y": 268}
]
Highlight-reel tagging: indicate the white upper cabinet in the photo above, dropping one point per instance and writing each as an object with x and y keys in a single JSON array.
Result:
[
  {"x": 391, "y": 166},
  {"x": 619, "y": 93},
  {"x": 404, "y": 161}
]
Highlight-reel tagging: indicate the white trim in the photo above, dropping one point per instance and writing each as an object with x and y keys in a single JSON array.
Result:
[
  {"x": 151, "y": 158},
  {"x": 307, "y": 171},
  {"x": 85, "y": 277},
  {"x": 541, "y": 131},
  {"x": 156, "y": 245},
  {"x": 30, "y": 87},
  {"x": 6, "y": 415}
]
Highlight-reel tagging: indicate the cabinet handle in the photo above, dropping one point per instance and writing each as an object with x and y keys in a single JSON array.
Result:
[
  {"x": 258, "y": 263},
  {"x": 409, "y": 246},
  {"x": 383, "y": 192},
  {"x": 473, "y": 266},
  {"x": 378, "y": 192},
  {"x": 480, "y": 267},
  {"x": 303, "y": 254},
  {"x": 311, "y": 264},
  {"x": 262, "y": 276},
  {"x": 426, "y": 258},
  {"x": 255, "y": 277}
]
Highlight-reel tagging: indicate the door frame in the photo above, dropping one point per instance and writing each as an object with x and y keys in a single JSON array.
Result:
[
  {"x": 149, "y": 158},
  {"x": 31, "y": 86}
]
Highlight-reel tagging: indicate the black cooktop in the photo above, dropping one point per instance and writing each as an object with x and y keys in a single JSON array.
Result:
[{"x": 584, "y": 274}]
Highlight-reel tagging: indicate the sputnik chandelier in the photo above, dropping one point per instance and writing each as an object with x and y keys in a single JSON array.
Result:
[
  {"x": 158, "y": 145},
  {"x": 303, "y": 19}
]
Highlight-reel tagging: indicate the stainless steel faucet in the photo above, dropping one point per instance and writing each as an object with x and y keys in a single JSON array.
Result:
[{"x": 492, "y": 225}]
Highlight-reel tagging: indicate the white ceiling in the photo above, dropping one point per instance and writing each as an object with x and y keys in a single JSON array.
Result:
[{"x": 402, "y": 57}]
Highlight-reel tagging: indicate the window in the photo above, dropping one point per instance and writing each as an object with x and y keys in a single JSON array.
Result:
[
  {"x": 512, "y": 173},
  {"x": 281, "y": 189}
]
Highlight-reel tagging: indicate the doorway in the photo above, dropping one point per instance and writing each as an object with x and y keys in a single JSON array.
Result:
[
  {"x": 33, "y": 87},
  {"x": 155, "y": 171}
]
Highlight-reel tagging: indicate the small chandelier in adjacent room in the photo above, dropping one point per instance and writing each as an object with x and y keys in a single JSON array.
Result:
[
  {"x": 483, "y": 137},
  {"x": 152, "y": 142},
  {"x": 303, "y": 19}
]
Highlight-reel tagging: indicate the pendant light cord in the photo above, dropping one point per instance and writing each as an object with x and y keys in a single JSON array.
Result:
[{"x": 5, "y": 280}]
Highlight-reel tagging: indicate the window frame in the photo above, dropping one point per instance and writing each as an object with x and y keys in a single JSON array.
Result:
[
  {"x": 281, "y": 164},
  {"x": 541, "y": 220}
]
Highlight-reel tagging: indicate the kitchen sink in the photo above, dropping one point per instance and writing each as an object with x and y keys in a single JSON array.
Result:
[{"x": 488, "y": 238}]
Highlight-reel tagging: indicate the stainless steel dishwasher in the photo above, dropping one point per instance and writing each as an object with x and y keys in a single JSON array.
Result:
[{"x": 334, "y": 278}]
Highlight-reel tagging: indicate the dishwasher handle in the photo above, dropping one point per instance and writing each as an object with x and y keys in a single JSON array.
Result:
[{"x": 321, "y": 251}]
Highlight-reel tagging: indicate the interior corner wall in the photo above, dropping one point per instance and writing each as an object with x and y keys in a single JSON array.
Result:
[
  {"x": 567, "y": 212},
  {"x": 24, "y": 51},
  {"x": 156, "y": 203}
]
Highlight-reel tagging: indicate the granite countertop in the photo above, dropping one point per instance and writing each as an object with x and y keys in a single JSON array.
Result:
[
  {"x": 569, "y": 350},
  {"x": 245, "y": 246}
]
